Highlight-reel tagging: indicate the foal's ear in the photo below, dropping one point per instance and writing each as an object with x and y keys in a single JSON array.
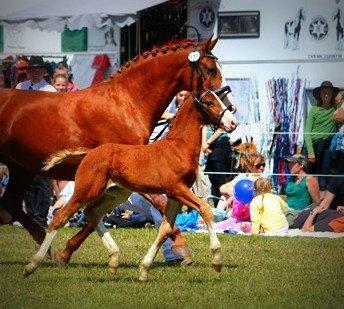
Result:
[{"x": 211, "y": 43}]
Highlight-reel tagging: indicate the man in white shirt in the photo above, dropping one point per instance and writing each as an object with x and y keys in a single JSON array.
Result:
[
  {"x": 36, "y": 72},
  {"x": 38, "y": 195}
]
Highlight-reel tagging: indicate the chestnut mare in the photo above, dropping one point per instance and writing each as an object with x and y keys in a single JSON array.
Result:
[
  {"x": 166, "y": 166},
  {"x": 35, "y": 124}
]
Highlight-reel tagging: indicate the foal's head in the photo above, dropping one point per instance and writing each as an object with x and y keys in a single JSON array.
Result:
[{"x": 213, "y": 110}]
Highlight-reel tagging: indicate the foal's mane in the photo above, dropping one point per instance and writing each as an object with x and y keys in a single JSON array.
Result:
[{"x": 156, "y": 50}]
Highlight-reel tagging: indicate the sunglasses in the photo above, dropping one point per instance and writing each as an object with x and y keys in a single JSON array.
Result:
[{"x": 259, "y": 165}]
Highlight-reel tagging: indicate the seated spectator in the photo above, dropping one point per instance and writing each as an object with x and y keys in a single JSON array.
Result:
[
  {"x": 127, "y": 215},
  {"x": 62, "y": 198},
  {"x": 4, "y": 177},
  {"x": 267, "y": 209},
  {"x": 239, "y": 214},
  {"x": 304, "y": 189},
  {"x": 318, "y": 220},
  {"x": 319, "y": 128}
]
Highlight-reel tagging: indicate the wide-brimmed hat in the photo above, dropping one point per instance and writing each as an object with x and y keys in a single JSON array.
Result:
[
  {"x": 36, "y": 62},
  {"x": 325, "y": 84},
  {"x": 297, "y": 158}
]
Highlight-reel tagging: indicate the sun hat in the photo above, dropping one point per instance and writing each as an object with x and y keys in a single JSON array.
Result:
[
  {"x": 297, "y": 158},
  {"x": 325, "y": 84}
]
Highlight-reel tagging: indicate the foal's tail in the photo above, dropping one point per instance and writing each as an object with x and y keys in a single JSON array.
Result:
[{"x": 60, "y": 156}]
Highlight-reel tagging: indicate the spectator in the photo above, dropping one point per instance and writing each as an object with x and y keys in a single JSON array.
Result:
[
  {"x": 238, "y": 214},
  {"x": 129, "y": 214},
  {"x": 216, "y": 146},
  {"x": 62, "y": 68},
  {"x": 2, "y": 80},
  {"x": 337, "y": 144},
  {"x": 320, "y": 125},
  {"x": 63, "y": 197},
  {"x": 304, "y": 189},
  {"x": 318, "y": 220},
  {"x": 267, "y": 209},
  {"x": 4, "y": 177},
  {"x": 60, "y": 82},
  {"x": 38, "y": 195},
  {"x": 36, "y": 71}
]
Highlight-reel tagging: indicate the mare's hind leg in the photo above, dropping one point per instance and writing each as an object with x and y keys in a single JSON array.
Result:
[
  {"x": 185, "y": 196},
  {"x": 13, "y": 197},
  {"x": 165, "y": 230}
]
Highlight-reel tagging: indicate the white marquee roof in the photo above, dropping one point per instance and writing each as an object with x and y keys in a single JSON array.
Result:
[{"x": 75, "y": 14}]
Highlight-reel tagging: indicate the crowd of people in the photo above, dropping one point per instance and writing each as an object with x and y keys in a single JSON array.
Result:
[{"x": 314, "y": 197}]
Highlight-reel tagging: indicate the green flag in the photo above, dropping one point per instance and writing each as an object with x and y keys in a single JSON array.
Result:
[{"x": 74, "y": 41}]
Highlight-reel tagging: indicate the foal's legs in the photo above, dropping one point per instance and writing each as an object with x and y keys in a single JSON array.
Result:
[
  {"x": 95, "y": 213},
  {"x": 185, "y": 196},
  {"x": 165, "y": 230}
]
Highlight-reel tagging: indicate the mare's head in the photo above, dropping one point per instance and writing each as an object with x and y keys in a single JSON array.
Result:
[
  {"x": 213, "y": 110},
  {"x": 205, "y": 73}
]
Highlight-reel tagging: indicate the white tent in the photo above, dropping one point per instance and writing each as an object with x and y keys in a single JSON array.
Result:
[{"x": 75, "y": 14}]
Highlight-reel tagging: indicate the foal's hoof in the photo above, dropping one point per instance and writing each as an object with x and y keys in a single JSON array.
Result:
[
  {"x": 29, "y": 269},
  {"x": 143, "y": 274},
  {"x": 217, "y": 267}
]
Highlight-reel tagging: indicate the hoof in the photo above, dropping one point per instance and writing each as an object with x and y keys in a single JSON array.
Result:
[
  {"x": 143, "y": 274},
  {"x": 217, "y": 267},
  {"x": 186, "y": 262},
  {"x": 29, "y": 269},
  {"x": 113, "y": 270},
  {"x": 181, "y": 250},
  {"x": 60, "y": 259}
]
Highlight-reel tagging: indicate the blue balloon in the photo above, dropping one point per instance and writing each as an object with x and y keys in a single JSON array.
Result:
[{"x": 244, "y": 191}]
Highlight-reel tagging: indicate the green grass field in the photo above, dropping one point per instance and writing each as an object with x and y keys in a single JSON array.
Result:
[{"x": 258, "y": 272}]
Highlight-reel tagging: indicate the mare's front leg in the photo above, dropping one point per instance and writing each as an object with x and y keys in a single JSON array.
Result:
[
  {"x": 165, "y": 230},
  {"x": 185, "y": 196},
  {"x": 179, "y": 245}
]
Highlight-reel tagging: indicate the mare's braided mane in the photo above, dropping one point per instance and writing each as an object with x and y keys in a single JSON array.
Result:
[{"x": 173, "y": 46}]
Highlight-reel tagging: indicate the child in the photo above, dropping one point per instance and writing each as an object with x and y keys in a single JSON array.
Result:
[{"x": 267, "y": 209}]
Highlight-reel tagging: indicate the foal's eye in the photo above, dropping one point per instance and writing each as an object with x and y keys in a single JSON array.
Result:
[{"x": 208, "y": 103}]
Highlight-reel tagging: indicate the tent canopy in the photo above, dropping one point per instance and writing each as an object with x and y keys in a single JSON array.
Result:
[{"x": 75, "y": 14}]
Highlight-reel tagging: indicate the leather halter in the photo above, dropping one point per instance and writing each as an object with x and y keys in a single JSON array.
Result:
[{"x": 215, "y": 119}]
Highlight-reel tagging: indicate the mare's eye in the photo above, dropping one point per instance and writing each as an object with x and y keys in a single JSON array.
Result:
[{"x": 211, "y": 70}]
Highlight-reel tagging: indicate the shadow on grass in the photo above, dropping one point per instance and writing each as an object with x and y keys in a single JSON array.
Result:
[{"x": 52, "y": 264}]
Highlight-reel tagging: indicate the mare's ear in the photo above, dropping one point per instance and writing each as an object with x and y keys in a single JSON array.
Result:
[{"x": 211, "y": 43}]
